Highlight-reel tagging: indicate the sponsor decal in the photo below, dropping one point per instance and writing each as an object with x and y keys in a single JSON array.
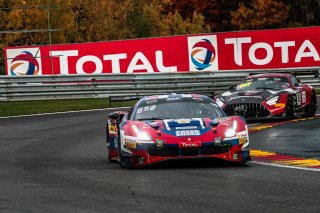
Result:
[
  {"x": 203, "y": 53},
  {"x": 182, "y": 121},
  {"x": 280, "y": 105},
  {"x": 239, "y": 97},
  {"x": 112, "y": 129},
  {"x": 241, "y": 134},
  {"x": 222, "y": 121},
  {"x": 143, "y": 127},
  {"x": 262, "y": 49},
  {"x": 244, "y": 85},
  {"x": 242, "y": 140},
  {"x": 157, "y": 97},
  {"x": 173, "y": 99},
  {"x": 217, "y": 140},
  {"x": 160, "y": 143},
  {"x": 152, "y": 102},
  {"x": 195, "y": 144},
  {"x": 141, "y": 160},
  {"x": 225, "y": 123},
  {"x": 187, "y": 133},
  {"x": 130, "y": 142},
  {"x": 131, "y": 145},
  {"x": 186, "y": 127},
  {"x": 235, "y": 156},
  {"x": 24, "y": 61},
  {"x": 243, "y": 50},
  {"x": 303, "y": 97},
  {"x": 186, "y": 96}
]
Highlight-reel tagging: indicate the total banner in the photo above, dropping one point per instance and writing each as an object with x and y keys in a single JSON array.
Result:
[{"x": 244, "y": 50}]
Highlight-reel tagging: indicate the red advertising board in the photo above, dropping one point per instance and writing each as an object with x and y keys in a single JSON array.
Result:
[
  {"x": 270, "y": 49},
  {"x": 254, "y": 50}
]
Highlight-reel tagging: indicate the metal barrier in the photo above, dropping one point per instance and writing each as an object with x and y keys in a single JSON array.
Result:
[{"x": 122, "y": 85}]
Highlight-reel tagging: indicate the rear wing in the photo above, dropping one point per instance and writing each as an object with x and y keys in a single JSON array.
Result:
[{"x": 315, "y": 73}]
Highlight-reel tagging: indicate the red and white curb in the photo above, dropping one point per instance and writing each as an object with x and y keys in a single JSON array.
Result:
[{"x": 282, "y": 160}]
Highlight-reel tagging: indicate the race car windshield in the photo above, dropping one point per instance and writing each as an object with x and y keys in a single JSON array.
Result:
[
  {"x": 271, "y": 83},
  {"x": 177, "y": 109}
]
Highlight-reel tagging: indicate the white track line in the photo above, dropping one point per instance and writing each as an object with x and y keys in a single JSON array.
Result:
[
  {"x": 56, "y": 113},
  {"x": 286, "y": 166}
]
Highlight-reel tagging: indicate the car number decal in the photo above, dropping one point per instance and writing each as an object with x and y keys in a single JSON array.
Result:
[
  {"x": 188, "y": 133},
  {"x": 303, "y": 97},
  {"x": 298, "y": 98},
  {"x": 244, "y": 85}
]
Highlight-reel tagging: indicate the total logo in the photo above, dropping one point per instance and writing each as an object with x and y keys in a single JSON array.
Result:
[
  {"x": 24, "y": 61},
  {"x": 203, "y": 53}
]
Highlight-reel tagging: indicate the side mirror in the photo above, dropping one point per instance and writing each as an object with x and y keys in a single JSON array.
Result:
[
  {"x": 240, "y": 111},
  {"x": 214, "y": 123},
  {"x": 114, "y": 117},
  {"x": 231, "y": 87}
]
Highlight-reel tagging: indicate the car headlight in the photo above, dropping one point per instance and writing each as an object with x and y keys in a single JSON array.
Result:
[
  {"x": 144, "y": 136},
  {"x": 219, "y": 102},
  {"x": 273, "y": 101},
  {"x": 231, "y": 131}
]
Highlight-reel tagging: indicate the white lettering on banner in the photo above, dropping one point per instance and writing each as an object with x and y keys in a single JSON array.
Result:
[
  {"x": 237, "y": 43},
  {"x": 139, "y": 56},
  {"x": 284, "y": 49},
  {"x": 306, "y": 50},
  {"x": 264, "y": 46},
  {"x": 85, "y": 59},
  {"x": 160, "y": 65},
  {"x": 63, "y": 57},
  {"x": 303, "y": 53},
  {"x": 115, "y": 61}
]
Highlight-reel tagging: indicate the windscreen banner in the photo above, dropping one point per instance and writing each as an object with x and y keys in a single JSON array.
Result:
[{"x": 244, "y": 50}]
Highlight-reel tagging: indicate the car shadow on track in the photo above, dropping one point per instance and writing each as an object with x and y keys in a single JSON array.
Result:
[{"x": 194, "y": 164}]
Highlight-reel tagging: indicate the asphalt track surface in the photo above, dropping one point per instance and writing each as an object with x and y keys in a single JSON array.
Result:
[
  {"x": 58, "y": 163},
  {"x": 298, "y": 139}
]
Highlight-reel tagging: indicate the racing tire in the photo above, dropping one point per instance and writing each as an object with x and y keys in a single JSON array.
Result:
[
  {"x": 107, "y": 138},
  {"x": 311, "y": 109},
  {"x": 288, "y": 115},
  {"x": 121, "y": 163}
]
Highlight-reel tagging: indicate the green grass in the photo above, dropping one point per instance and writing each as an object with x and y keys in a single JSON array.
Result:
[
  {"x": 318, "y": 91},
  {"x": 35, "y": 107}
]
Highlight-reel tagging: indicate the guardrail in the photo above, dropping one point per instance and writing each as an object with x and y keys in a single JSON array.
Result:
[{"x": 21, "y": 88}]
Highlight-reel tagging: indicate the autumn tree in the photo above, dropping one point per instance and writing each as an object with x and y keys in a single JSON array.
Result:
[
  {"x": 216, "y": 13},
  {"x": 259, "y": 14},
  {"x": 304, "y": 13}
]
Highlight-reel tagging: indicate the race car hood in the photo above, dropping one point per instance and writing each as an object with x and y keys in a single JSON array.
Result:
[
  {"x": 181, "y": 130},
  {"x": 254, "y": 96},
  {"x": 175, "y": 127},
  {"x": 184, "y": 127}
]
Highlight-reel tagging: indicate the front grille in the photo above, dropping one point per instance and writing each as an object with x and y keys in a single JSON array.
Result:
[
  {"x": 253, "y": 110},
  {"x": 176, "y": 151},
  {"x": 166, "y": 151},
  {"x": 189, "y": 152}
]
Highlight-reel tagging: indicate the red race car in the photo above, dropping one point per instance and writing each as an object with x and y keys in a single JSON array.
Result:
[
  {"x": 272, "y": 95},
  {"x": 175, "y": 126}
]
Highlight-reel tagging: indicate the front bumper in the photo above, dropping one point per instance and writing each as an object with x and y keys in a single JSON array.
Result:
[
  {"x": 256, "y": 111},
  {"x": 151, "y": 154}
]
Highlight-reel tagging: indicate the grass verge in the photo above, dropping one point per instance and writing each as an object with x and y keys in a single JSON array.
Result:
[{"x": 36, "y": 107}]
